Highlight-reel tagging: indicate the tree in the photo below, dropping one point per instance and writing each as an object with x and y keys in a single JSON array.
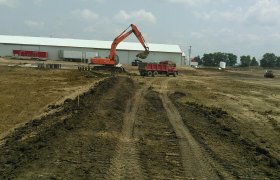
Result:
[
  {"x": 208, "y": 60},
  {"x": 214, "y": 59},
  {"x": 218, "y": 57},
  {"x": 245, "y": 61},
  {"x": 254, "y": 62},
  {"x": 232, "y": 59},
  {"x": 269, "y": 60},
  {"x": 278, "y": 62},
  {"x": 198, "y": 59}
]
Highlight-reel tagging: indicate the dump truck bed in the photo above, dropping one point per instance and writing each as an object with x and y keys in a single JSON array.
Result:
[{"x": 153, "y": 69}]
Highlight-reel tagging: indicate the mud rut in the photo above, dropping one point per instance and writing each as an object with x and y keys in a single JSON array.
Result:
[
  {"x": 197, "y": 164},
  {"x": 126, "y": 163},
  {"x": 194, "y": 165},
  {"x": 113, "y": 134}
]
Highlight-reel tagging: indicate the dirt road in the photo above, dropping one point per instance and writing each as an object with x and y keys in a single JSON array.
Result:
[
  {"x": 195, "y": 163},
  {"x": 100, "y": 138},
  {"x": 126, "y": 164},
  {"x": 136, "y": 128}
]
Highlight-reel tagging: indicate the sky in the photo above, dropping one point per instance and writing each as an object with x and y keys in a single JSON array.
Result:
[{"x": 242, "y": 27}]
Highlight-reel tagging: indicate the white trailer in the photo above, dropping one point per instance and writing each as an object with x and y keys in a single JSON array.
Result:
[
  {"x": 194, "y": 64},
  {"x": 223, "y": 65},
  {"x": 77, "y": 55},
  {"x": 89, "y": 55}
]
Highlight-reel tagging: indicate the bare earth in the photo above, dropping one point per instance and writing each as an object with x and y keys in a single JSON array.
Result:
[
  {"x": 27, "y": 92},
  {"x": 202, "y": 124}
]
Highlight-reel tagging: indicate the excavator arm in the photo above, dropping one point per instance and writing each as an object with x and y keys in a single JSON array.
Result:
[
  {"x": 113, "y": 60},
  {"x": 123, "y": 36}
]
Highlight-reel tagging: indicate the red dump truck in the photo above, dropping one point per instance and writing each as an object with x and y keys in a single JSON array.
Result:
[{"x": 153, "y": 69}]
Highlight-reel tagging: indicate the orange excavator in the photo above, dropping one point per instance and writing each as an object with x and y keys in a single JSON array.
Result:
[{"x": 112, "y": 62}]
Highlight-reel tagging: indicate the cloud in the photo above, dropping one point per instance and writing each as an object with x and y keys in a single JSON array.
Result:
[
  {"x": 97, "y": 1},
  {"x": 9, "y": 3},
  {"x": 91, "y": 29},
  {"x": 265, "y": 12},
  {"x": 38, "y": 2},
  {"x": 140, "y": 15},
  {"x": 197, "y": 35},
  {"x": 248, "y": 37},
  {"x": 86, "y": 14},
  {"x": 189, "y": 2},
  {"x": 275, "y": 36},
  {"x": 193, "y": 2},
  {"x": 261, "y": 12},
  {"x": 236, "y": 15},
  {"x": 34, "y": 24}
]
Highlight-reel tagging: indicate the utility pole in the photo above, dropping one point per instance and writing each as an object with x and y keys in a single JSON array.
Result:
[{"x": 190, "y": 51}]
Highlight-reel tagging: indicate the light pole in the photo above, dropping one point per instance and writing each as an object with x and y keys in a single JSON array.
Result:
[{"x": 190, "y": 51}]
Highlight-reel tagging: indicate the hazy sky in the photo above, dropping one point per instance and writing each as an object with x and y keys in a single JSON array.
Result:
[{"x": 242, "y": 27}]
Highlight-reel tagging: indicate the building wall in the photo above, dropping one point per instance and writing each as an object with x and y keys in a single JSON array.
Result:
[
  {"x": 125, "y": 57},
  {"x": 7, "y": 50}
]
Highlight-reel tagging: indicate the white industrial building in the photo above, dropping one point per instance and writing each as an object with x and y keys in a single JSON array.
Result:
[{"x": 56, "y": 47}]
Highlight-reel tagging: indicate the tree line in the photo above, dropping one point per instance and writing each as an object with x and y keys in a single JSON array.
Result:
[{"x": 214, "y": 59}]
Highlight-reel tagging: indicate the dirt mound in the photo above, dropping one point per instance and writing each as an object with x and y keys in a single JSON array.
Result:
[
  {"x": 96, "y": 74},
  {"x": 209, "y": 112},
  {"x": 221, "y": 136},
  {"x": 75, "y": 142}
]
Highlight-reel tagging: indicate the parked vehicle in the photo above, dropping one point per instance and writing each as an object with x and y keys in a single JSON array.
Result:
[
  {"x": 268, "y": 74},
  {"x": 23, "y": 54},
  {"x": 154, "y": 69},
  {"x": 71, "y": 55}
]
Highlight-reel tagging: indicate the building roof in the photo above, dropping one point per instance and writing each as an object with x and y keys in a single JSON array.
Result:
[{"x": 63, "y": 42}]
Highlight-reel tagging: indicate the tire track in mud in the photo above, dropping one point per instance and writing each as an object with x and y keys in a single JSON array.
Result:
[
  {"x": 158, "y": 145},
  {"x": 194, "y": 162},
  {"x": 126, "y": 163}
]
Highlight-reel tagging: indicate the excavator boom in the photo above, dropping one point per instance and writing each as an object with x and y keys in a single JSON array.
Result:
[{"x": 113, "y": 58}]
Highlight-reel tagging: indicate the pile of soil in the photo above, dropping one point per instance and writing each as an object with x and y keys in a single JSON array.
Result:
[{"x": 76, "y": 142}]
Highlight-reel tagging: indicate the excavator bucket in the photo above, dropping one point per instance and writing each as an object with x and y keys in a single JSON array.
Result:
[{"x": 143, "y": 55}]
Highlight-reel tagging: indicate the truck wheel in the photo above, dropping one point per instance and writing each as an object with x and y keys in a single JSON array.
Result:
[
  {"x": 155, "y": 73},
  {"x": 167, "y": 74},
  {"x": 119, "y": 70},
  {"x": 174, "y": 74},
  {"x": 150, "y": 73}
]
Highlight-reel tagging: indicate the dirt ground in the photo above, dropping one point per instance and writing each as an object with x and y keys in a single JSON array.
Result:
[
  {"x": 235, "y": 116},
  {"x": 27, "y": 92},
  {"x": 202, "y": 124}
]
